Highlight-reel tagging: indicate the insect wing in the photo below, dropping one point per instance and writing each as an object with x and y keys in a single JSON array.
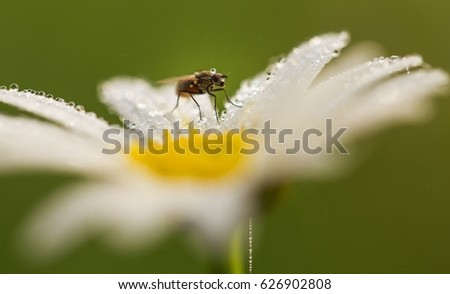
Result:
[{"x": 176, "y": 79}]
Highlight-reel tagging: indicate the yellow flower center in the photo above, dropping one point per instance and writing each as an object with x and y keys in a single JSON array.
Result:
[{"x": 206, "y": 155}]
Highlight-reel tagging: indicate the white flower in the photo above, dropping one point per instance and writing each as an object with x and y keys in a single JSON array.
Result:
[{"x": 131, "y": 201}]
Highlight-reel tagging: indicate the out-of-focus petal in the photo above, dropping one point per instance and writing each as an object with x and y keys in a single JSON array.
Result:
[
  {"x": 56, "y": 111},
  {"x": 309, "y": 110},
  {"x": 131, "y": 214},
  {"x": 366, "y": 98},
  {"x": 30, "y": 144},
  {"x": 350, "y": 57},
  {"x": 403, "y": 98}
]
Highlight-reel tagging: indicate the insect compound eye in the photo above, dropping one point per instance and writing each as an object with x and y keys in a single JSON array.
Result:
[{"x": 215, "y": 78}]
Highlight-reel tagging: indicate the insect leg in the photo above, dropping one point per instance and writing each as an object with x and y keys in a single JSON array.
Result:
[
  {"x": 178, "y": 100},
  {"x": 198, "y": 105},
  {"x": 226, "y": 96},
  {"x": 215, "y": 103}
]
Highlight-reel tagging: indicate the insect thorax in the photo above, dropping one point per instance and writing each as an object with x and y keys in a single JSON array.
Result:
[{"x": 203, "y": 80}]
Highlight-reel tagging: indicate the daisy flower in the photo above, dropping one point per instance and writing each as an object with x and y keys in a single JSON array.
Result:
[{"x": 132, "y": 199}]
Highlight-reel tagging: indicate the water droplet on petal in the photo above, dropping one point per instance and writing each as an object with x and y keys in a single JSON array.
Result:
[
  {"x": 279, "y": 65},
  {"x": 41, "y": 93},
  {"x": 153, "y": 113},
  {"x": 314, "y": 41},
  {"x": 59, "y": 99},
  {"x": 223, "y": 115},
  {"x": 3, "y": 87},
  {"x": 395, "y": 58},
  {"x": 14, "y": 87},
  {"x": 49, "y": 96},
  {"x": 91, "y": 114},
  {"x": 79, "y": 108},
  {"x": 213, "y": 70},
  {"x": 336, "y": 53},
  {"x": 71, "y": 104}
]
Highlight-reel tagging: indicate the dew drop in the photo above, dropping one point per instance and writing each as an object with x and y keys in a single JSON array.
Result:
[
  {"x": 279, "y": 65},
  {"x": 213, "y": 70},
  {"x": 223, "y": 115},
  {"x": 394, "y": 58},
  {"x": 314, "y": 41},
  {"x": 41, "y": 93},
  {"x": 49, "y": 96},
  {"x": 79, "y": 108},
  {"x": 59, "y": 99},
  {"x": 32, "y": 91},
  {"x": 153, "y": 113},
  {"x": 3, "y": 87},
  {"x": 14, "y": 87},
  {"x": 91, "y": 114},
  {"x": 281, "y": 59},
  {"x": 407, "y": 70},
  {"x": 336, "y": 53},
  {"x": 71, "y": 104}
]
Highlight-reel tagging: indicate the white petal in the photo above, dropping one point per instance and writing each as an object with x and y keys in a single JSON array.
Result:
[
  {"x": 370, "y": 102},
  {"x": 310, "y": 109},
  {"x": 56, "y": 111},
  {"x": 350, "y": 57},
  {"x": 135, "y": 100},
  {"x": 28, "y": 144},
  {"x": 403, "y": 98},
  {"x": 293, "y": 75},
  {"x": 131, "y": 214},
  {"x": 150, "y": 108}
]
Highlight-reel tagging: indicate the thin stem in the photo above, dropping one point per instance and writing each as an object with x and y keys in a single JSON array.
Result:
[
  {"x": 236, "y": 250},
  {"x": 236, "y": 258}
]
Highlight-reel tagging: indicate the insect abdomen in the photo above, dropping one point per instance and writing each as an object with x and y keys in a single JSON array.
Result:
[{"x": 184, "y": 87}]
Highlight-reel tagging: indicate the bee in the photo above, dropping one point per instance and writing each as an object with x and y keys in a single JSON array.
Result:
[{"x": 205, "y": 81}]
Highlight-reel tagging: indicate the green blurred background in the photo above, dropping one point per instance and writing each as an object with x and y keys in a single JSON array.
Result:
[{"x": 390, "y": 215}]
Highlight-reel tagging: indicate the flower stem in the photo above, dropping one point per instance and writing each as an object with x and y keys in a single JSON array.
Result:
[{"x": 236, "y": 258}]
